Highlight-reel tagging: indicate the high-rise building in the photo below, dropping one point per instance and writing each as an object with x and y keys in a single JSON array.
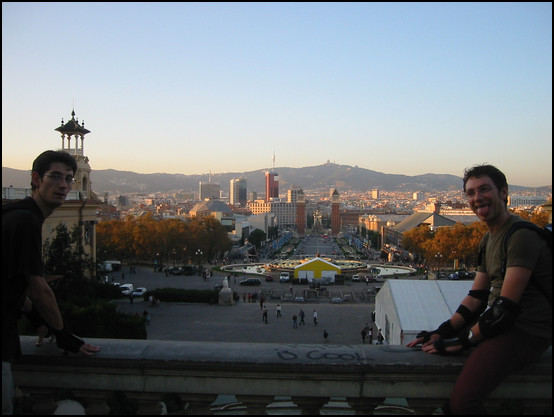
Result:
[
  {"x": 237, "y": 192},
  {"x": 271, "y": 186},
  {"x": 292, "y": 194},
  {"x": 208, "y": 191}
]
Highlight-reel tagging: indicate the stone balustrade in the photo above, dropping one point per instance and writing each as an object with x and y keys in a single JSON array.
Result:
[{"x": 256, "y": 373}]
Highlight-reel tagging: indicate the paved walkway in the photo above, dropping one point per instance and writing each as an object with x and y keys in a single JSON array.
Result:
[{"x": 241, "y": 322}]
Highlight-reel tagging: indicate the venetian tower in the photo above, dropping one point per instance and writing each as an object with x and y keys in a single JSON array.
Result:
[
  {"x": 73, "y": 130},
  {"x": 335, "y": 213}
]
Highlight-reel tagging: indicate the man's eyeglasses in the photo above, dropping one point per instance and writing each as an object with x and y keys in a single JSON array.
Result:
[
  {"x": 57, "y": 177},
  {"x": 484, "y": 189}
]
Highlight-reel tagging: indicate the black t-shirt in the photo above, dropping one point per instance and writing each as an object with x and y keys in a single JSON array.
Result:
[{"x": 21, "y": 258}]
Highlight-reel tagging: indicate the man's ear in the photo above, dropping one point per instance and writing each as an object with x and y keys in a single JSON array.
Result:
[
  {"x": 504, "y": 194},
  {"x": 35, "y": 179}
]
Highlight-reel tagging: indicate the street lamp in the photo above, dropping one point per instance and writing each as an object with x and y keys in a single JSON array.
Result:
[
  {"x": 438, "y": 257},
  {"x": 199, "y": 254}
]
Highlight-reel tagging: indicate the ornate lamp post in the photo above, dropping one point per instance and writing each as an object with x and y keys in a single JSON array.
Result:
[
  {"x": 199, "y": 254},
  {"x": 438, "y": 257}
]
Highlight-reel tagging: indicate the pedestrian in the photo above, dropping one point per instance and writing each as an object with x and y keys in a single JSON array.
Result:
[
  {"x": 24, "y": 285},
  {"x": 146, "y": 316},
  {"x": 264, "y": 315},
  {"x": 365, "y": 332},
  {"x": 244, "y": 297},
  {"x": 278, "y": 309},
  {"x": 315, "y": 318},
  {"x": 131, "y": 298},
  {"x": 380, "y": 338},
  {"x": 302, "y": 314},
  {"x": 325, "y": 336},
  {"x": 294, "y": 322},
  {"x": 150, "y": 300},
  {"x": 370, "y": 335},
  {"x": 517, "y": 328},
  {"x": 262, "y": 299}
]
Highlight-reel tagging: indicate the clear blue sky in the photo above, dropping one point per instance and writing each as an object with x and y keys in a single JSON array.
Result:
[{"x": 189, "y": 88}]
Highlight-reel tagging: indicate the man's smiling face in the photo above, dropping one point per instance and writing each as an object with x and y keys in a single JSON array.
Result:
[{"x": 485, "y": 199}]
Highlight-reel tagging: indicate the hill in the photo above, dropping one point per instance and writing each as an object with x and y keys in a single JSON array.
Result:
[{"x": 320, "y": 177}]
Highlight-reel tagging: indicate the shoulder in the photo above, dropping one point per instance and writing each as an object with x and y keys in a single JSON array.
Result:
[{"x": 23, "y": 209}]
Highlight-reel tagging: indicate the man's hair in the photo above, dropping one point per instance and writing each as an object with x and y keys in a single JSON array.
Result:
[
  {"x": 490, "y": 171},
  {"x": 42, "y": 163}
]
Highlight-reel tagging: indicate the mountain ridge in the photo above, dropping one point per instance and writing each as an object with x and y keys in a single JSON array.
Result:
[{"x": 319, "y": 177}]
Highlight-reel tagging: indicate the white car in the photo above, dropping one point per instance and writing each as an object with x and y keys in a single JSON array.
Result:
[
  {"x": 126, "y": 289},
  {"x": 355, "y": 278},
  {"x": 284, "y": 277},
  {"x": 139, "y": 292}
]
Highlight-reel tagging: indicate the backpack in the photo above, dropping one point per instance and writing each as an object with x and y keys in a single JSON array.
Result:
[{"x": 544, "y": 232}]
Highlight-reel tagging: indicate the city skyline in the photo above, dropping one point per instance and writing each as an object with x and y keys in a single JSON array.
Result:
[{"x": 189, "y": 88}]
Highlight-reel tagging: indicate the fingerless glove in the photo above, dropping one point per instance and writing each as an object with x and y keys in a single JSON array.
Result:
[{"x": 68, "y": 341}]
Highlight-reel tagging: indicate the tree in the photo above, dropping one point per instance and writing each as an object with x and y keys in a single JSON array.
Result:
[
  {"x": 64, "y": 255},
  {"x": 257, "y": 237}
]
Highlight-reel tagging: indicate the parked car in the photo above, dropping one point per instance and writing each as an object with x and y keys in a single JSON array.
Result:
[
  {"x": 126, "y": 289},
  {"x": 139, "y": 292},
  {"x": 251, "y": 281},
  {"x": 336, "y": 300},
  {"x": 284, "y": 277},
  {"x": 268, "y": 278},
  {"x": 355, "y": 278}
]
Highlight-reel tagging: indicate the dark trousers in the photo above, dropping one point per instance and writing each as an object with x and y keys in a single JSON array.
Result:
[{"x": 490, "y": 363}]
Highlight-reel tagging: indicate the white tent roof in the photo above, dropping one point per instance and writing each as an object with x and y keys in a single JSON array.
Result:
[{"x": 425, "y": 304}]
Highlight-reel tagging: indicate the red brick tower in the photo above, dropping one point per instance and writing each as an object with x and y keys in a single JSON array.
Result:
[
  {"x": 301, "y": 213},
  {"x": 335, "y": 213}
]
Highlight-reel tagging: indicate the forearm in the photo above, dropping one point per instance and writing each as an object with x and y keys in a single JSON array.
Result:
[{"x": 44, "y": 302}]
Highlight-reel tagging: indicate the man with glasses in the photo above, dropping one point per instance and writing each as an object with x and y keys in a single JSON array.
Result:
[
  {"x": 517, "y": 327},
  {"x": 24, "y": 286}
]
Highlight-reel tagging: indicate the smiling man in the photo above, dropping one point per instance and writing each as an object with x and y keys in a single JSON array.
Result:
[
  {"x": 517, "y": 327},
  {"x": 24, "y": 286}
]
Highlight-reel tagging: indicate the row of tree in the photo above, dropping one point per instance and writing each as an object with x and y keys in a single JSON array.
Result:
[
  {"x": 168, "y": 241},
  {"x": 439, "y": 248}
]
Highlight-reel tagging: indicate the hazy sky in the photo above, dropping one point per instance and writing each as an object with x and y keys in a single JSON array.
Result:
[{"x": 190, "y": 88}]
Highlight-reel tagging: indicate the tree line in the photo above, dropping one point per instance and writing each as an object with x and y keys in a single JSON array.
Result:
[
  {"x": 439, "y": 248},
  {"x": 167, "y": 241}
]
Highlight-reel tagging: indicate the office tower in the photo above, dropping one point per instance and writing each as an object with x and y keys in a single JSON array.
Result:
[
  {"x": 271, "y": 186},
  {"x": 237, "y": 192}
]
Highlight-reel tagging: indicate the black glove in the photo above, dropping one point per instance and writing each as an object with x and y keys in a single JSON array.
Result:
[
  {"x": 461, "y": 341},
  {"x": 445, "y": 331},
  {"x": 68, "y": 341}
]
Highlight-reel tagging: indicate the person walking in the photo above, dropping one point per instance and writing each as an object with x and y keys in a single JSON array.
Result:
[
  {"x": 315, "y": 318},
  {"x": 370, "y": 335},
  {"x": 365, "y": 332},
  {"x": 278, "y": 310},
  {"x": 264, "y": 315},
  {"x": 516, "y": 329},
  {"x": 302, "y": 314},
  {"x": 325, "y": 336},
  {"x": 294, "y": 322},
  {"x": 24, "y": 284}
]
